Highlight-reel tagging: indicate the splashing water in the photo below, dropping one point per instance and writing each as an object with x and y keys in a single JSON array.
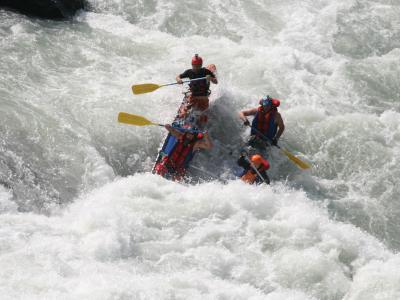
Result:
[{"x": 76, "y": 225}]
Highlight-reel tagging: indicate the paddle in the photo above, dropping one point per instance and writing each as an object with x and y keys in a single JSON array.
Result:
[
  {"x": 135, "y": 120},
  {"x": 255, "y": 169},
  {"x": 301, "y": 164},
  {"x": 150, "y": 87}
]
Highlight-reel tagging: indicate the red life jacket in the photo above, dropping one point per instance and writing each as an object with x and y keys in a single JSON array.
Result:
[
  {"x": 181, "y": 153},
  {"x": 265, "y": 123},
  {"x": 177, "y": 161}
]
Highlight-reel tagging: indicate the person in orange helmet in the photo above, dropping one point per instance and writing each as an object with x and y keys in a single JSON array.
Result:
[
  {"x": 200, "y": 89},
  {"x": 254, "y": 169}
]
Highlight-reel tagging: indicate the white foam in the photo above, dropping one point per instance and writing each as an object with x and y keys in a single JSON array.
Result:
[
  {"x": 6, "y": 204},
  {"x": 314, "y": 235},
  {"x": 144, "y": 235}
]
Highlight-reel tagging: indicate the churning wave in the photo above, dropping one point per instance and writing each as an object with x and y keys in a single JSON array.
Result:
[{"x": 81, "y": 217}]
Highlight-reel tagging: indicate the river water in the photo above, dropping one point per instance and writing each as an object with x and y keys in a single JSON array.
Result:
[{"x": 81, "y": 217}]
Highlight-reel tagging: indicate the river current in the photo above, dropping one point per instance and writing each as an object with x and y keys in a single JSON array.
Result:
[{"x": 81, "y": 217}]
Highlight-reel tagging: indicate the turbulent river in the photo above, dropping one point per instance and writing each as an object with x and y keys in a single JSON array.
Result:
[{"x": 81, "y": 216}]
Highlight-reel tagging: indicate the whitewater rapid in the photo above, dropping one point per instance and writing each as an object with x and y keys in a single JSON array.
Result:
[
  {"x": 143, "y": 237},
  {"x": 82, "y": 218}
]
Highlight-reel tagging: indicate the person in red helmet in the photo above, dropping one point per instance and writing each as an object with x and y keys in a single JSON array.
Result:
[
  {"x": 200, "y": 89},
  {"x": 254, "y": 169},
  {"x": 267, "y": 125}
]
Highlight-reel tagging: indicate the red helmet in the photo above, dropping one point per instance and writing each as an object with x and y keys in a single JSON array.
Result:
[
  {"x": 276, "y": 102},
  {"x": 265, "y": 101},
  {"x": 197, "y": 60}
]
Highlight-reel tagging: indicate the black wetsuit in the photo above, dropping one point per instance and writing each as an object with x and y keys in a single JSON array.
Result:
[{"x": 199, "y": 87}]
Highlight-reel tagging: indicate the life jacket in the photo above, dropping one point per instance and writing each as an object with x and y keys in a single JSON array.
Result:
[
  {"x": 265, "y": 123},
  {"x": 251, "y": 176},
  {"x": 200, "y": 87},
  {"x": 176, "y": 161},
  {"x": 182, "y": 154}
]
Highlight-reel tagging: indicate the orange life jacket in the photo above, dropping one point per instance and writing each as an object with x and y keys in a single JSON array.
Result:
[
  {"x": 251, "y": 175},
  {"x": 264, "y": 123}
]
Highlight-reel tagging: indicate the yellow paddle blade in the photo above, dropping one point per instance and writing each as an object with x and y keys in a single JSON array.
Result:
[
  {"x": 133, "y": 119},
  {"x": 302, "y": 164},
  {"x": 144, "y": 88}
]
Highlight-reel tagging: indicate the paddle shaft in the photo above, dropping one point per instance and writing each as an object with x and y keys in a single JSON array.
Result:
[
  {"x": 254, "y": 168},
  {"x": 293, "y": 158},
  {"x": 142, "y": 121},
  {"x": 268, "y": 139},
  {"x": 179, "y": 129},
  {"x": 184, "y": 81}
]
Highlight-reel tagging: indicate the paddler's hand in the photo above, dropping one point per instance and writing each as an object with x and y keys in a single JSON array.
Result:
[
  {"x": 208, "y": 78},
  {"x": 246, "y": 123},
  {"x": 179, "y": 81},
  {"x": 168, "y": 127},
  {"x": 274, "y": 141}
]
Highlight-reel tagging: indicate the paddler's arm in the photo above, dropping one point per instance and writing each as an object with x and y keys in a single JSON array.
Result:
[
  {"x": 204, "y": 143},
  {"x": 281, "y": 126},
  {"x": 210, "y": 76},
  {"x": 212, "y": 79},
  {"x": 179, "y": 79},
  {"x": 176, "y": 133},
  {"x": 182, "y": 76},
  {"x": 244, "y": 113}
]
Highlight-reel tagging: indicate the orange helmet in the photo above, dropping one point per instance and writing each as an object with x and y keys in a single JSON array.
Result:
[{"x": 258, "y": 159}]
